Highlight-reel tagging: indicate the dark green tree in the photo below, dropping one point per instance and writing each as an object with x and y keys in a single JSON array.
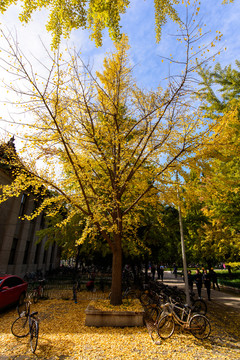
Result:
[{"x": 213, "y": 195}]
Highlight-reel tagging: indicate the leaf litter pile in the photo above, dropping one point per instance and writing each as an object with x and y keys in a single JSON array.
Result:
[{"x": 63, "y": 335}]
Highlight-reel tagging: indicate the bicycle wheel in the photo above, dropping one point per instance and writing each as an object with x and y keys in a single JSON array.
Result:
[
  {"x": 34, "y": 335},
  {"x": 41, "y": 292},
  {"x": 21, "y": 309},
  {"x": 151, "y": 312},
  {"x": 145, "y": 299},
  {"x": 180, "y": 296},
  {"x": 155, "y": 337},
  {"x": 35, "y": 296},
  {"x": 131, "y": 294},
  {"x": 200, "y": 326},
  {"x": 20, "y": 327},
  {"x": 166, "y": 327},
  {"x": 21, "y": 299},
  {"x": 199, "y": 307}
]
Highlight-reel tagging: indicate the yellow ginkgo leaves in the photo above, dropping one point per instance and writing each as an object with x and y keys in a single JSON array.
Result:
[{"x": 64, "y": 335}]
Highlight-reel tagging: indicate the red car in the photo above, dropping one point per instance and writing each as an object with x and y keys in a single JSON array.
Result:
[{"x": 12, "y": 290}]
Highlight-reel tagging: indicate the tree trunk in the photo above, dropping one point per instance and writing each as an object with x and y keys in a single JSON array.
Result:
[
  {"x": 77, "y": 262},
  {"x": 209, "y": 263},
  {"x": 116, "y": 291},
  {"x": 146, "y": 271}
]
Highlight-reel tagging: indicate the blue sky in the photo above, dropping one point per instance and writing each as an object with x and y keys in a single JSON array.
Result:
[{"x": 138, "y": 23}]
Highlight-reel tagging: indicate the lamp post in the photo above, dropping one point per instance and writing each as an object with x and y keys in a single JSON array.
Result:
[{"x": 184, "y": 259}]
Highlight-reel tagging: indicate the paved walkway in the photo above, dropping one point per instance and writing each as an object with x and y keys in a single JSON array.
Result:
[{"x": 221, "y": 297}]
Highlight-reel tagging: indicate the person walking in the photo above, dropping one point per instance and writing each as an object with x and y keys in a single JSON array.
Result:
[
  {"x": 90, "y": 284},
  {"x": 190, "y": 281},
  {"x": 207, "y": 282},
  {"x": 153, "y": 270},
  {"x": 158, "y": 271},
  {"x": 161, "y": 269},
  {"x": 175, "y": 270},
  {"x": 198, "y": 282},
  {"x": 214, "y": 279}
]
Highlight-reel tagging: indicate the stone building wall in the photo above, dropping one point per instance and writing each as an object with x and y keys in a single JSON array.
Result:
[{"x": 19, "y": 253}]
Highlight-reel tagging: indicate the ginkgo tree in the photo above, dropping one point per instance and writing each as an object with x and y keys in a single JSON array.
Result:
[
  {"x": 95, "y": 15},
  {"x": 65, "y": 16},
  {"x": 106, "y": 147}
]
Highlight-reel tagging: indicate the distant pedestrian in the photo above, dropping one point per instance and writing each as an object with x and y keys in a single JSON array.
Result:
[
  {"x": 153, "y": 270},
  {"x": 214, "y": 279},
  {"x": 79, "y": 284},
  {"x": 161, "y": 271},
  {"x": 175, "y": 270},
  {"x": 190, "y": 281},
  {"x": 90, "y": 285},
  {"x": 207, "y": 282},
  {"x": 198, "y": 282}
]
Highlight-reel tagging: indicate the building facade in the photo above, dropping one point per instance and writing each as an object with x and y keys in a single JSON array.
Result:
[{"x": 19, "y": 251}]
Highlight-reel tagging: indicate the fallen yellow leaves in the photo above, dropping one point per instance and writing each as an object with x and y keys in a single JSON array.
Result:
[
  {"x": 127, "y": 305},
  {"x": 63, "y": 335}
]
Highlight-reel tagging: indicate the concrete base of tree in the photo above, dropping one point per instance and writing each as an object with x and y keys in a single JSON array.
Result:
[{"x": 96, "y": 317}]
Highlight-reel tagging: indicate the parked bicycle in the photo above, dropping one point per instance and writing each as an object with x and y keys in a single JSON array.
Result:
[
  {"x": 198, "y": 306},
  {"x": 174, "y": 313},
  {"x": 27, "y": 324},
  {"x": 152, "y": 310},
  {"x": 128, "y": 293},
  {"x": 38, "y": 291},
  {"x": 157, "y": 294}
]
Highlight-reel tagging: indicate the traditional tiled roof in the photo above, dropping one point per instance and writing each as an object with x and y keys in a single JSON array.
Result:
[
  {"x": 7, "y": 155},
  {"x": 8, "y": 147}
]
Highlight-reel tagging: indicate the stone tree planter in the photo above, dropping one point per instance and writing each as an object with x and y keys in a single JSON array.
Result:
[{"x": 101, "y": 313}]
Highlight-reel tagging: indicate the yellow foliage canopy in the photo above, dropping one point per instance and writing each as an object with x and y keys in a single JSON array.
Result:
[
  {"x": 96, "y": 15},
  {"x": 106, "y": 146}
]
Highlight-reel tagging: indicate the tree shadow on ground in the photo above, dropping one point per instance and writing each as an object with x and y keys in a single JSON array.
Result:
[{"x": 63, "y": 334}]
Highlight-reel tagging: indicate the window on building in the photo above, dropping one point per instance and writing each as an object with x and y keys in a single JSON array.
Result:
[
  {"x": 26, "y": 252},
  {"x": 52, "y": 253},
  {"x": 45, "y": 256},
  {"x": 13, "y": 251},
  {"x": 42, "y": 223},
  {"x": 37, "y": 253},
  {"x": 23, "y": 204}
]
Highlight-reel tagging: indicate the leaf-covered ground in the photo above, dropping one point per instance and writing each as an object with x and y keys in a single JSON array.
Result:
[{"x": 63, "y": 335}]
